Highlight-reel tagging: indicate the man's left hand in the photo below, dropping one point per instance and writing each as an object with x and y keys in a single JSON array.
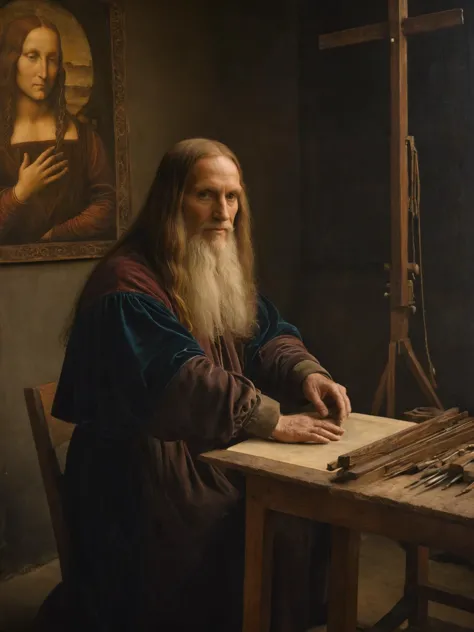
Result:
[{"x": 318, "y": 389}]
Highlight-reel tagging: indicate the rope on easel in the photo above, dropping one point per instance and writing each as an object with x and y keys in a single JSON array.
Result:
[{"x": 415, "y": 217}]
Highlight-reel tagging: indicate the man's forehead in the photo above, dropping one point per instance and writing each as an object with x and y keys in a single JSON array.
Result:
[{"x": 215, "y": 170}]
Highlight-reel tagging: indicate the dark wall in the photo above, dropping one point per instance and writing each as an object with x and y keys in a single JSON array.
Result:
[
  {"x": 194, "y": 69},
  {"x": 345, "y": 133}
]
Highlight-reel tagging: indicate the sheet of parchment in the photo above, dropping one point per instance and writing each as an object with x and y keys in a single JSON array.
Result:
[{"x": 360, "y": 430}]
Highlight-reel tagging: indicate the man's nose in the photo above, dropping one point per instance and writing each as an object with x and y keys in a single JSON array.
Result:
[{"x": 221, "y": 210}]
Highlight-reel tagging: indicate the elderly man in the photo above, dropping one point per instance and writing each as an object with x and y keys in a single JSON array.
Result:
[{"x": 173, "y": 352}]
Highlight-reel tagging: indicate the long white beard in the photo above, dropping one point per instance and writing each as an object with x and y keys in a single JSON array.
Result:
[{"x": 215, "y": 290}]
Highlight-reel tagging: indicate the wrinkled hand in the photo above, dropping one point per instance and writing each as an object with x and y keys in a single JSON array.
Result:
[
  {"x": 306, "y": 428},
  {"x": 34, "y": 177},
  {"x": 323, "y": 393}
]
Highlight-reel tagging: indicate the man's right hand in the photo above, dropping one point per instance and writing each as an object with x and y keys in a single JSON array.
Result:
[{"x": 306, "y": 428}]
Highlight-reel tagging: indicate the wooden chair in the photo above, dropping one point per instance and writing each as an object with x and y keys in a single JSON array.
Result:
[{"x": 51, "y": 438}]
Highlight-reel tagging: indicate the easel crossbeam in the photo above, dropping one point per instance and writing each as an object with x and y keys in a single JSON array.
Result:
[
  {"x": 358, "y": 35},
  {"x": 411, "y": 26},
  {"x": 433, "y": 22}
]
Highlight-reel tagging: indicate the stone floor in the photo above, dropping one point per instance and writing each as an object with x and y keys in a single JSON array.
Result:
[{"x": 381, "y": 585}]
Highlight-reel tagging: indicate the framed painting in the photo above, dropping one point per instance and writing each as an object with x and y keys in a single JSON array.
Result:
[{"x": 64, "y": 162}]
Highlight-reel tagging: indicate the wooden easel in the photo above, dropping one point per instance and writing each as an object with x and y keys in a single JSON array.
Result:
[{"x": 397, "y": 28}]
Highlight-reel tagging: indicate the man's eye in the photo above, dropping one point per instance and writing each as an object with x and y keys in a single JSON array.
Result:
[
  {"x": 231, "y": 196},
  {"x": 204, "y": 195}
]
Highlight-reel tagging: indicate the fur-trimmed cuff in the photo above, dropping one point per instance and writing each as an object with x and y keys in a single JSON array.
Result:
[
  {"x": 264, "y": 417},
  {"x": 307, "y": 367}
]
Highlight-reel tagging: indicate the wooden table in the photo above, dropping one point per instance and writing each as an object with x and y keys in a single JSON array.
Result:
[{"x": 293, "y": 479}]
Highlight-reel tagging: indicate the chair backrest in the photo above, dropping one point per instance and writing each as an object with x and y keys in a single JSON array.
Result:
[{"x": 50, "y": 435}]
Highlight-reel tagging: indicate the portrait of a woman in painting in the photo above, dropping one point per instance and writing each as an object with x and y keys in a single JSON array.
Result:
[{"x": 56, "y": 184}]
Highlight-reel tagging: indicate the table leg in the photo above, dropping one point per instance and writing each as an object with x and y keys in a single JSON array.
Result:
[
  {"x": 343, "y": 580},
  {"x": 258, "y": 564},
  {"x": 416, "y": 575}
]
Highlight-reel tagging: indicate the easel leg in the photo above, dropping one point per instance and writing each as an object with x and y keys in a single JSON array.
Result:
[
  {"x": 419, "y": 374},
  {"x": 392, "y": 368},
  {"x": 386, "y": 387},
  {"x": 380, "y": 392},
  {"x": 416, "y": 575},
  {"x": 258, "y": 564},
  {"x": 343, "y": 580}
]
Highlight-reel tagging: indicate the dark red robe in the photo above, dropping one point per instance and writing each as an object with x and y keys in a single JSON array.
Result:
[{"x": 157, "y": 534}]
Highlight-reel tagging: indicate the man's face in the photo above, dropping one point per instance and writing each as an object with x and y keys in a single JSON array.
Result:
[{"x": 211, "y": 199}]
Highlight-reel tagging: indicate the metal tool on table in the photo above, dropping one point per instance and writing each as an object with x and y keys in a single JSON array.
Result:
[
  {"x": 439, "y": 480},
  {"x": 453, "y": 481},
  {"x": 425, "y": 478},
  {"x": 447, "y": 468},
  {"x": 436, "y": 481},
  {"x": 466, "y": 490},
  {"x": 427, "y": 467}
]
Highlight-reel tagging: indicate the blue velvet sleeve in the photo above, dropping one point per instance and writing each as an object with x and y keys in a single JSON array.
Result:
[
  {"x": 124, "y": 347},
  {"x": 276, "y": 359},
  {"x": 270, "y": 325}
]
